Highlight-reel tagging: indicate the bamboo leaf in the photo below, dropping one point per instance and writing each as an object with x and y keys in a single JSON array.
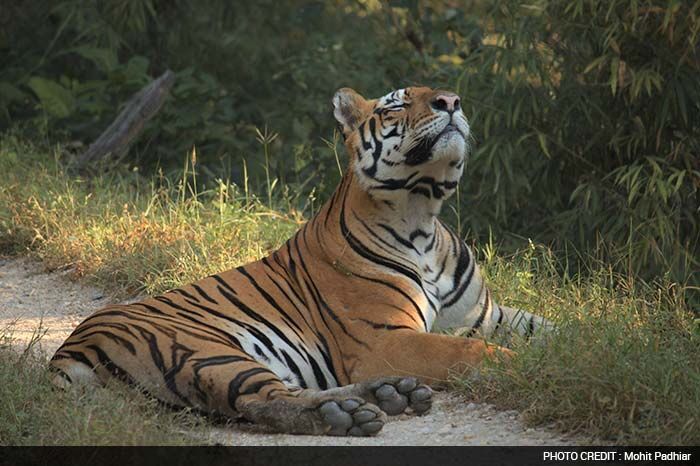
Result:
[
  {"x": 614, "y": 66},
  {"x": 542, "y": 139}
]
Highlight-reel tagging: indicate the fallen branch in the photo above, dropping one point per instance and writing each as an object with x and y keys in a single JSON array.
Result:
[{"x": 115, "y": 140}]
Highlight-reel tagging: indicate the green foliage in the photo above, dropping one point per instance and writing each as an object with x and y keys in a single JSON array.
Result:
[
  {"x": 585, "y": 112},
  {"x": 588, "y": 113},
  {"x": 55, "y": 99}
]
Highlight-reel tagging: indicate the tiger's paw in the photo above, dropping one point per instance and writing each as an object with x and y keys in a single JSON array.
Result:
[
  {"x": 352, "y": 416},
  {"x": 395, "y": 394}
]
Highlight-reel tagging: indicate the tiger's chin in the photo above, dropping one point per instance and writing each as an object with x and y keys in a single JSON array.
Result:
[{"x": 450, "y": 148}]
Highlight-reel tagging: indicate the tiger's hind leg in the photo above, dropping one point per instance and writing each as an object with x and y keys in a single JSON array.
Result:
[{"x": 181, "y": 370}]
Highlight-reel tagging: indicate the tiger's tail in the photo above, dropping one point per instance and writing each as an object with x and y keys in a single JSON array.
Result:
[{"x": 69, "y": 372}]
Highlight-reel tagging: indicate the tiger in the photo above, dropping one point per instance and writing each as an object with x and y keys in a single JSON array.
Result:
[{"x": 358, "y": 316}]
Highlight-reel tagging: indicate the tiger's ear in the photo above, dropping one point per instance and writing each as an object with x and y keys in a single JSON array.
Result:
[{"x": 349, "y": 107}]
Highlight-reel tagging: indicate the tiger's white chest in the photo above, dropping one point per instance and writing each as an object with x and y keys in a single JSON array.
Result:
[{"x": 450, "y": 281}]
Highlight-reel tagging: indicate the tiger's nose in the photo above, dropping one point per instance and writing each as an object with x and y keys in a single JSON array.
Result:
[{"x": 445, "y": 103}]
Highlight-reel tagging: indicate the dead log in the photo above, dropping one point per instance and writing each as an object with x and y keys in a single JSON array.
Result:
[{"x": 113, "y": 143}]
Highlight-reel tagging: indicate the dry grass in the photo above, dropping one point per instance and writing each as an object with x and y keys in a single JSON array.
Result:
[
  {"x": 33, "y": 412},
  {"x": 624, "y": 365},
  {"x": 126, "y": 233}
]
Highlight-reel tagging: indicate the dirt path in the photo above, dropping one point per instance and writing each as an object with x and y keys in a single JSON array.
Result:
[{"x": 30, "y": 296}]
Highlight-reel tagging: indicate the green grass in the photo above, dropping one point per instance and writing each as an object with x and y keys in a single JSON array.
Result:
[
  {"x": 33, "y": 412},
  {"x": 624, "y": 365},
  {"x": 128, "y": 234}
]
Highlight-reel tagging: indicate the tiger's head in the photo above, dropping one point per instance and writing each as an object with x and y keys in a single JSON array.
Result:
[{"x": 411, "y": 140}]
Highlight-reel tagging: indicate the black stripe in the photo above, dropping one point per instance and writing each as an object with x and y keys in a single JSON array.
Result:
[
  {"x": 223, "y": 283},
  {"x": 179, "y": 355},
  {"x": 442, "y": 269},
  {"x": 318, "y": 297},
  {"x": 225, "y": 338},
  {"x": 284, "y": 292},
  {"x": 290, "y": 322},
  {"x": 385, "y": 326},
  {"x": 202, "y": 363},
  {"x": 132, "y": 315},
  {"x": 432, "y": 242},
  {"x": 235, "y": 385},
  {"x": 179, "y": 307},
  {"x": 294, "y": 273},
  {"x": 462, "y": 262},
  {"x": 422, "y": 191},
  {"x": 110, "y": 366},
  {"x": 460, "y": 291},
  {"x": 320, "y": 378},
  {"x": 256, "y": 317},
  {"x": 203, "y": 294},
  {"x": 366, "y": 145},
  {"x": 360, "y": 249},
  {"x": 436, "y": 187},
  {"x": 530, "y": 327},
  {"x": 288, "y": 273},
  {"x": 255, "y": 387},
  {"x": 77, "y": 355},
  {"x": 152, "y": 341},
  {"x": 397, "y": 237},
  {"x": 381, "y": 242},
  {"x": 185, "y": 294},
  {"x": 336, "y": 195},
  {"x": 294, "y": 368},
  {"x": 418, "y": 233},
  {"x": 119, "y": 340},
  {"x": 480, "y": 320},
  {"x": 402, "y": 293},
  {"x": 500, "y": 319}
]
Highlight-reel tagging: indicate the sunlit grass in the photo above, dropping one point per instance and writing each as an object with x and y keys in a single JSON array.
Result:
[
  {"x": 129, "y": 234},
  {"x": 624, "y": 365},
  {"x": 33, "y": 412}
]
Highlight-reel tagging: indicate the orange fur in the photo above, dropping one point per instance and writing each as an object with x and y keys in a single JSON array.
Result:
[{"x": 349, "y": 298}]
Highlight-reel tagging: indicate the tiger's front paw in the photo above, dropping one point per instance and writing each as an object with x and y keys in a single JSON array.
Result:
[
  {"x": 395, "y": 394},
  {"x": 352, "y": 416}
]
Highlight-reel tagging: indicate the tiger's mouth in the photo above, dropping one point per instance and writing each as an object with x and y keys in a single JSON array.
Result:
[{"x": 423, "y": 151}]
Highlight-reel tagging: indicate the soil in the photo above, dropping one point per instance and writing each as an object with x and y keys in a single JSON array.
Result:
[{"x": 32, "y": 298}]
